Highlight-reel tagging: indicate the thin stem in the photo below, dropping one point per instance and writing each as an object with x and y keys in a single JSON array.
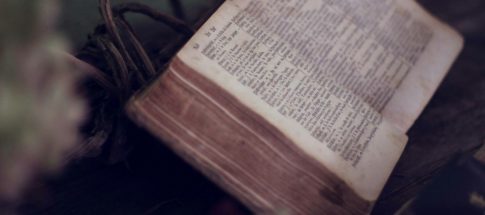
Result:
[
  {"x": 107, "y": 13},
  {"x": 117, "y": 65},
  {"x": 139, "y": 49}
]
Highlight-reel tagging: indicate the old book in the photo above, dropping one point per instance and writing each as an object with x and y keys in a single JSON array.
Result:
[{"x": 300, "y": 106}]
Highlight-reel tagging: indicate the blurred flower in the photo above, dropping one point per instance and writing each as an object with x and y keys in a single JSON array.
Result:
[{"x": 40, "y": 112}]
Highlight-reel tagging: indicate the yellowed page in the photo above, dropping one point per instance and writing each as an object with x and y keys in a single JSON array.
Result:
[
  {"x": 267, "y": 73},
  {"x": 423, "y": 79}
]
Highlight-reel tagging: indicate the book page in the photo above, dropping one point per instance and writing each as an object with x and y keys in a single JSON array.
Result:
[
  {"x": 309, "y": 68},
  {"x": 427, "y": 71}
]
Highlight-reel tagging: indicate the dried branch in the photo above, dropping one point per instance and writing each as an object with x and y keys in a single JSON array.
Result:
[{"x": 126, "y": 66}]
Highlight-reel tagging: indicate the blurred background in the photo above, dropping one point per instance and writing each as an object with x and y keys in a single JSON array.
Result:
[{"x": 37, "y": 179}]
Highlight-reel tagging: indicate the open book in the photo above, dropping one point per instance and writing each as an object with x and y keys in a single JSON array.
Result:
[{"x": 300, "y": 105}]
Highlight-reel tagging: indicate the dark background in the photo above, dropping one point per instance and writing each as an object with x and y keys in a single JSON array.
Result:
[{"x": 154, "y": 181}]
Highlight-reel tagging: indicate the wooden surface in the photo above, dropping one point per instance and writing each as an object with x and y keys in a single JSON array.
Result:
[{"x": 154, "y": 181}]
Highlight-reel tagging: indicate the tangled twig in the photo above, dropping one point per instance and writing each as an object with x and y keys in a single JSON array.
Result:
[{"x": 125, "y": 66}]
